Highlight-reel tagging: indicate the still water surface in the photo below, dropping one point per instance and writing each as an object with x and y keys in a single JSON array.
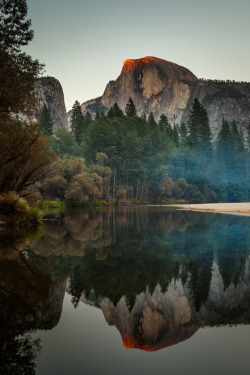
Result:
[{"x": 128, "y": 290}]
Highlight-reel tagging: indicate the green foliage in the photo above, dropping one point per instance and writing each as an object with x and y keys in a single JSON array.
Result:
[
  {"x": 175, "y": 136},
  {"x": 183, "y": 135},
  {"x": 14, "y": 28},
  {"x": 115, "y": 111},
  {"x": 151, "y": 121},
  {"x": 130, "y": 109},
  {"x": 70, "y": 179},
  {"x": 248, "y": 136},
  {"x": 25, "y": 155},
  {"x": 150, "y": 161},
  {"x": 18, "y": 71},
  {"x": 45, "y": 121},
  {"x": 165, "y": 126},
  {"x": 77, "y": 122},
  {"x": 63, "y": 142},
  {"x": 199, "y": 133}
]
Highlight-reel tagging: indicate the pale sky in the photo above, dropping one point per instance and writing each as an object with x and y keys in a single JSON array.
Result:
[{"x": 83, "y": 43}]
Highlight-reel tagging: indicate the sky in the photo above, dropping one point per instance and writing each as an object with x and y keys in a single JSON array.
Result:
[{"x": 83, "y": 43}]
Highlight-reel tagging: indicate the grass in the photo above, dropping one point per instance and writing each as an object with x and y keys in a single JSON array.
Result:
[
  {"x": 88, "y": 204},
  {"x": 170, "y": 201},
  {"x": 50, "y": 206},
  {"x": 18, "y": 221}
]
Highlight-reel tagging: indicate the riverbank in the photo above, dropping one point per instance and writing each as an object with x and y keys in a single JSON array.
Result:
[{"x": 223, "y": 208}]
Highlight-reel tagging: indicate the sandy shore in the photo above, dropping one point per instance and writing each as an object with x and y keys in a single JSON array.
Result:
[{"x": 223, "y": 208}]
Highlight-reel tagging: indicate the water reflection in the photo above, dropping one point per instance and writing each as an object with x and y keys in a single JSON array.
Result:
[
  {"x": 30, "y": 299},
  {"x": 157, "y": 274}
]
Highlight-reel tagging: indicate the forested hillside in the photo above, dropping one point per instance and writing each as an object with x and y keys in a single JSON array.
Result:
[{"x": 149, "y": 160}]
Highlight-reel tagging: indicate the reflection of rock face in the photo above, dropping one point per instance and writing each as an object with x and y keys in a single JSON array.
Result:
[
  {"x": 155, "y": 321},
  {"x": 163, "y": 319}
]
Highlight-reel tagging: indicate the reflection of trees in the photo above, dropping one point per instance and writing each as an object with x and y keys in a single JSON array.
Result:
[
  {"x": 112, "y": 253},
  {"x": 73, "y": 232},
  {"x": 18, "y": 355},
  {"x": 26, "y": 304},
  {"x": 200, "y": 278},
  {"x": 130, "y": 250}
]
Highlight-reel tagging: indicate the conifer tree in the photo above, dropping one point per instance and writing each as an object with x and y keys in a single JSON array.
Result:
[
  {"x": 18, "y": 72},
  {"x": 130, "y": 109},
  {"x": 87, "y": 120},
  {"x": 115, "y": 111},
  {"x": 45, "y": 121},
  {"x": 183, "y": 134},
  {"x": 97, "y": 115},
  {"x": 77, "y": 122},
  {"x": 199, "y": 136},
  {"x": 224, "y": 152},
  {"x": 164, "y": 125},
  {"x": 175, "y": 136},
  {"x": 14, "y": 27},
  {"x": 237, "y": 139},
  {"x": 248, "y": 137},
  {"x": 151, "y": 121}
]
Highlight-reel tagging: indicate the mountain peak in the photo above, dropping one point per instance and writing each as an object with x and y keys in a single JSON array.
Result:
[{"x": 131, "y": 64}]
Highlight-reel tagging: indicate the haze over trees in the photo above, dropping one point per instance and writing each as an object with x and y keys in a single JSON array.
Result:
[{"x": 153, "y": 161}]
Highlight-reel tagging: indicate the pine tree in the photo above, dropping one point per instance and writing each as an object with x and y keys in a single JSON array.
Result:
[
  {"x": 183, "y": 134},
  {"x": 45, "y": 121},
  {"x": 77, "y": 122},
  {"x": 225, "y": 140},
  {"x": 130, "y": 109},
  {"x": 87, "y": 120},
  {"x": 151, "y": 121},
  {"x": 115, "y": 111},
  {"x": 237, "y": 139},
  {"x": 97, "y": 115},
  {"x": 248, "y": 137},
  {"x": 14, "y": 28},
  {"x": 199, "y": 136},
  {"x": 165, "y": 126},
  {"x": 18, "y": 72},
  {"x": 175, "y": 136},
  {"x": 224, "y": 153}
]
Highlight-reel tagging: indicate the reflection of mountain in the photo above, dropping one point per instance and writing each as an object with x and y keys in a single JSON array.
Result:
[
  {"x": 30, "y": 299},
  {"x": 159, "y": 320},
  {"x": 157, "y": 273}
]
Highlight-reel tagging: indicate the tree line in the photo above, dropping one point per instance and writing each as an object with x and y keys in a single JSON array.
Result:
[{"x": 150, "y": 160}]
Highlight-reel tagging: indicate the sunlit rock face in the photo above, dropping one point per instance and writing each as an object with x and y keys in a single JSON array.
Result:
[
  {"x": 162, "y": 319},
  {"x": 49, "y": 91},
  {"x": 155, "y": 85},
  {"x": 160, "y": 86}
]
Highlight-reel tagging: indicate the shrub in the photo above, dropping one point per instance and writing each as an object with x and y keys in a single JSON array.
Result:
[{"x": 15, "y": 212}]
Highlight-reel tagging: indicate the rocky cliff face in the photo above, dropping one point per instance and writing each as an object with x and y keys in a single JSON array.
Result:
[
  {"x": 49, "y": 91},
  {"x": 160, "y": 319},
  {"x": 159, "y": 86},
  {"x": 154, "y": 85}
]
